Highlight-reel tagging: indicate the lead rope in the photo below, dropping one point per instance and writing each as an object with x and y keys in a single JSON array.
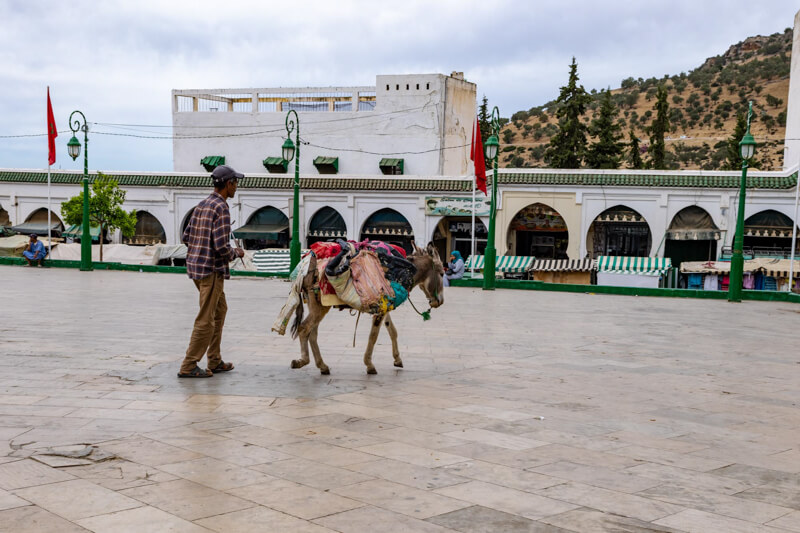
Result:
[{"x": 426, "y": 315}]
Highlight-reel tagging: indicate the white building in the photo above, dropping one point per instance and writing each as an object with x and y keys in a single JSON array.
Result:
[
  {"x": 541, "y": 212},
  {"x": 417, "y": 124}
]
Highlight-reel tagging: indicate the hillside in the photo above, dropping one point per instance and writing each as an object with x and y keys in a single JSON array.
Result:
[{"x": 703, "y": 107}]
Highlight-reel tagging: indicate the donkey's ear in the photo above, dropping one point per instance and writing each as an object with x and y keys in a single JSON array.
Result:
[
  {"x": 432, "y": 251},
  {"x": 416, "y": 250}
]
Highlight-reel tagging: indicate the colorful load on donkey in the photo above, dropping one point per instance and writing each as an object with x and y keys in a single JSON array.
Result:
[{"x": 369, "y": 276}]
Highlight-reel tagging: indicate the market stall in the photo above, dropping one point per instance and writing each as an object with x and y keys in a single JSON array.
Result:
[
  {"x": 620, "y": 271},
  {"x": 569, "y": 271}
]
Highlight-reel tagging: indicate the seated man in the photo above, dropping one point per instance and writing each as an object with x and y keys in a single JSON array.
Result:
[
  {"x": 35, "y": 252},
  {"x": 455, "y": 268}
]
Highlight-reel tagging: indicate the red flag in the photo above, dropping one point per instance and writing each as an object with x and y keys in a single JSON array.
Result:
[
  {"x": 476, "y": 155},
  {"x": 52, "y": 131}
]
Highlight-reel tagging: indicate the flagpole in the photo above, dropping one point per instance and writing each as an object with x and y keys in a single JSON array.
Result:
[
  {"x": 49, "y": 223},
  {"x": 472, "y": 244}
]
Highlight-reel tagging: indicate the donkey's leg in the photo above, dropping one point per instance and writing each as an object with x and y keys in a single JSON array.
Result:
[
  {"x": 323, "y": 368},
  {"x": 373, "y": 336},
  {"x": 393, "y": 334},
  {"x": 303, "y": 331}
]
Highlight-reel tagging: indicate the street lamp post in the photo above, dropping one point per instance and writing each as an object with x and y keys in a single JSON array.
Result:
[
  {"x": 291, "y": 150},
  {"x": 490, "y": 253},
  {"x": 74, "y": 149},
  {"x": 747, "y": 147}
]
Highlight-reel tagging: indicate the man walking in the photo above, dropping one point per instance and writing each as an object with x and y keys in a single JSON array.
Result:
[{"x": 208, "y": 238}]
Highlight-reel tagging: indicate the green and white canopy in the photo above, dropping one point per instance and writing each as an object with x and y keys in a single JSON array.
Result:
[
  {"x": 504, "y": 263},
  {"x": 646, "y": 266}
]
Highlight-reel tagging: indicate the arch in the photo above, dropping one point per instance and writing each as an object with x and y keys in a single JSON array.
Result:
[
  {"x": 36, "y": 222},
  {"x": 538, "y": 230},
  {"x": 5, "y": 219},
  {"x": 267, "y": 227},
  {"x": 455, "y": 233},
  {"x": 768, "y": 232},
  {"x": 692, "y": 236},
  {"x": 620, "y": 231},
  {"x": 148, "y": 231},
  {"x": 40, "y": 217},
  {"x": 389, "y": 226},
  {"x": 327, "y": 223},
  {"x": 185, "y": 222}
]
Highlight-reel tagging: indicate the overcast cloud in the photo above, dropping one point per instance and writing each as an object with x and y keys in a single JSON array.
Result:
[{"x": 117, "y": 61}]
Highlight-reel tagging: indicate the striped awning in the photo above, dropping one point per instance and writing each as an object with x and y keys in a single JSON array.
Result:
[
  {"x": 648, "y": 266},
  {"x": 504, "y": 263},
  {"x": 273, "y": 260},
  {"x": 563, "y": 265}
]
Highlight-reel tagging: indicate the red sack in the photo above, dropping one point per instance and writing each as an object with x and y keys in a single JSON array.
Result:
[{"x": 324, "y": 250}]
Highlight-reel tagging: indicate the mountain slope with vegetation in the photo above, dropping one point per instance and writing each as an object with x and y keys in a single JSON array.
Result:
[{"x": 703, "y": 107}]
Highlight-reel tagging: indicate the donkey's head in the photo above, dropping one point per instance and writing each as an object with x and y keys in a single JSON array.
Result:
[{"x": 430, "y": 272}]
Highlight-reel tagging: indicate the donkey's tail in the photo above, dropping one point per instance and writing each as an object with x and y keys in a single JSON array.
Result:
[{"x": 298, "y": 318}]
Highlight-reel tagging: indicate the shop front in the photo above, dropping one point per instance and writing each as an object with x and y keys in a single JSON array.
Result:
[
  {"x": 619, "y": 231},
  {"x": 539, "y": 231}
]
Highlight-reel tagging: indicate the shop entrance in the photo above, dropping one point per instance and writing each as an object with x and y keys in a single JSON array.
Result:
[
  {"x": 619, "y": 231},
  {"x": 538, "y": 230}
]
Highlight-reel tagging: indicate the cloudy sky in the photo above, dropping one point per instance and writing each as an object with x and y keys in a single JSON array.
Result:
[{"x": 117, "y": 61}]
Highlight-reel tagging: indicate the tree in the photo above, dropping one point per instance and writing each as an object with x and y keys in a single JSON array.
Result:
[
  {"x": 606, "y": 151},
  {"x": 657, "y": 130},
  {"x": 105, "y": 209},
  {"x": 484, "y": 119},
  {"x": 733, "y": 157},
  {"x": 635, "y": 152},
  {"x": 567, "y": 147}
]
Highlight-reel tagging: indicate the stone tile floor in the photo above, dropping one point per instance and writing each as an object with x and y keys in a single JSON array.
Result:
[{"x": 516, "y": 411}]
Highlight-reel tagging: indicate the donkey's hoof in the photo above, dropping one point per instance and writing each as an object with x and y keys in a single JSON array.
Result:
[
  {"x": 371, "y": 370},
  {"x": 325, "y": 371},
  {"x": 398, "y": 364},
  {"x": 297, "y": 363}
]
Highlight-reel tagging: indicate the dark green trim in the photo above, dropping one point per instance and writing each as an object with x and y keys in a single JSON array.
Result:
[
  {"x": 391, "y": 166},
  {"x": 58, "y": 263},
  {"x": 212, "y": 161},
  {"x": 367, "y": 183},
  {"x": 763, "y": 296},
  {"x": 276, "y": 165},
  {"x": 636, "y": 179},
  {"x": 418, "y": 184},
  {"x": 326, "y": 164}
]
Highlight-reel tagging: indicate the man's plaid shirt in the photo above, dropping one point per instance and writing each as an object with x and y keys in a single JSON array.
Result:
[{"x": 208, "y": 238}]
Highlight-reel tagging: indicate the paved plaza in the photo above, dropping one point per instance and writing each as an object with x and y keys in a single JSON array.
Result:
[{"x": 516, "y": 411}]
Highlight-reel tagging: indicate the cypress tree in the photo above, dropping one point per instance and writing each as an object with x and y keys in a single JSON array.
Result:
[
  {"x": 733, "y": 156},
  {"x": 657, "y": 130},
  {"x": 484, "y": 119},
  {"x": 634, "y": 154},
  {"x": 607, "y": 150},
  {"x": 568, "y": 146}
]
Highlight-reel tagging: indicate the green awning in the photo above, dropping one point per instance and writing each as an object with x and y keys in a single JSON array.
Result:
[
  {"x": 76, "y": 231},
  {"x": 648, "y": 266},
  {"x": 213, "y": 161},
  {"x": 260, "y": 232},
  {"x": 503, "y": 263},
  {"x": 391, "y": 166},
  {"x": 39, "y": 228},
  {"x": 327, "y": 164},
  {"x": 276, "y": 165}
]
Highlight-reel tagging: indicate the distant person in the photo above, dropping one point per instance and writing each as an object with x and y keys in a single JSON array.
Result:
[
  {"x": 207, "y": 237},
  {"x": 35, "y": 252},
  {"x": 455, "y": 268}
]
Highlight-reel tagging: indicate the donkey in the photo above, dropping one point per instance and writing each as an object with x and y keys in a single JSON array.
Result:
[{"x": 428, "y": 277}]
